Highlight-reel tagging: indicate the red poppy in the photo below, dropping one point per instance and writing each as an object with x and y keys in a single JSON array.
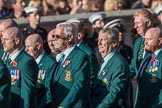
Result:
[
  {"x": 14, "y": 63},
  {"x": 67, "y": 62},
  {"x": 153, "y": 60}
]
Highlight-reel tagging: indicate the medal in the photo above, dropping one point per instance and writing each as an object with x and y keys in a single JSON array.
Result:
[
  {"x": 68, "y": 76},
  {"x": 103, "y": 72},
  {"x": 154, "y": 65},
  {"x": 156, "y": 68},
  {"x": 105, "y": 81}
]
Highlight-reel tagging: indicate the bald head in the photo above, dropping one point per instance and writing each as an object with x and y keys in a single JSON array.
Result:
[
  {"x": 153, "y": 39},
  {"x": 34, "y": 38},
  {"x": 14, "y": 32},
  {"x": 7, "y": 24},
  {"x": 155, "y": 32},
  {"x": 34, "y": 45},
  {"x": 12, "y": 40}
]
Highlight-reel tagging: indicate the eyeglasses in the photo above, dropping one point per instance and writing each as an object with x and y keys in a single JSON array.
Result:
[{"x": 56, "y": 37}]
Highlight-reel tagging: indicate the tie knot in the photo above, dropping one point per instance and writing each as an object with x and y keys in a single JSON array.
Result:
[{"x": 62, "y": 58}]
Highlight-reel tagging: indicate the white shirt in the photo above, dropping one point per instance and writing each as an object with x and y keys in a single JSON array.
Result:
[
  {"x": 38, "y": 59},
  {"x": 106, "y": 59}
]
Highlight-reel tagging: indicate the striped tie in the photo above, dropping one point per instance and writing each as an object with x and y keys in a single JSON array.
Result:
[{"x": 140, "y": 53}]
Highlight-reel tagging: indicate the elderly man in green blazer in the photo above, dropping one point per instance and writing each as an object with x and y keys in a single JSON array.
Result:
[
  {"x": 72, "y": 76},
  {"x": 143, "y": 20},
  {"x": 5, "y": 86},
  {"x": 23, "y": 70},
  {"x": 111, "y": 89},
  {"x": 149, "y": 77},
  {"x": 46, "y": 64}
]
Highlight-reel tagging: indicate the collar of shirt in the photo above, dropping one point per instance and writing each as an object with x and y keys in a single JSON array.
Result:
[
  {"x": 67, "y": 51},
  {"x": 155, "y": 53},
  {"x": 58, "y": 56},
  {"x": 106, "y": 59},
  {"x": 79, "y": 43},
  {"x": 15, "y": 55},
  {"x": 38, "y": 59}
]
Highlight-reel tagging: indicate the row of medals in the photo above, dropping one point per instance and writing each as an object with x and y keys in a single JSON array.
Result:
[{"x": 154, "y": 68}]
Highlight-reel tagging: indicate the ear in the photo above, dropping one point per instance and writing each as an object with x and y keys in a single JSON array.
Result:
[
  {"x": 160, "y": 41},
  {"x": 148, "y": 23},
  {"x": 79, "y": 36},
  {"x": 70, "y": 38},
  {"x": 115, "y": 44},
  {"x": 17, "y": 41}
]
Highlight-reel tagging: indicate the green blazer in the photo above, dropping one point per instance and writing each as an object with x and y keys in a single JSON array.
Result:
[
  {"x": 71, "y": 84},
  {"x": 46, "y": 67},
  {"x": 134, "y": 64},
  {"x": 93, "y": 61},
  {"x": 112, "y": 86},
  {"x": 24, "y": 72},
  {"x": 149, "y": 85},
  {"x": 1, "y": 52},
  {"x": 5, "y": 86},
  {"x": 93, "y": 65}
]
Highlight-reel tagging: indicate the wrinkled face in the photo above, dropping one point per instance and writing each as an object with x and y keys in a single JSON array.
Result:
[
  {"x": 2, "y": 29},
  {"x": 34, "y": 18},
  {"x": 19, "y": 5},
  {"x": 104, "y": 43},
  {"x": 31, "y": 48},
  {"x": 60, "y": 42},
  {"x": 159, "y": 17},
  {"x": 8, "y": 42},
  {"x": 51, "y": 41},
  {"x": 151, "y": 42},
  {"x": 140, "y": 25}
]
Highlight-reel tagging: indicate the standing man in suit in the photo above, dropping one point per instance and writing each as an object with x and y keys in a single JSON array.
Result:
[
  {"x": 72, "y": 76},
  {"x": 143, "y": 20},
  {"x": 111, "y": 89},
  {"x": 23, "y": 70},
  {"x": 149, "y": 77},
  {"x": 46, "y": 64},
  {"x": 91, "y": 55}
]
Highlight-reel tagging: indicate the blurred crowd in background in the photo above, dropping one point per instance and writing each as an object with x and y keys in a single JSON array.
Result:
[{"x": 15, "y": 8}]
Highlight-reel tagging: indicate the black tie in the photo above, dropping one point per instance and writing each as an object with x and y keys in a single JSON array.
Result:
[{"x": 59, "y": 64}]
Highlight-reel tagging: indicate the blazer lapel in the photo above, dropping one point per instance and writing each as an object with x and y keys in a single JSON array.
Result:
[
  {"x": 40, "y": 64},
  {"x": 107, "y": 67},
  {"x": 63, "y": 67}
]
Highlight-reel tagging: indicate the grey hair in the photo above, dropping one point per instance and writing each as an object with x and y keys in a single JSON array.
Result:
[
  {"x": 113, "y": 34},
  {"x": 69, "y": 29}
]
